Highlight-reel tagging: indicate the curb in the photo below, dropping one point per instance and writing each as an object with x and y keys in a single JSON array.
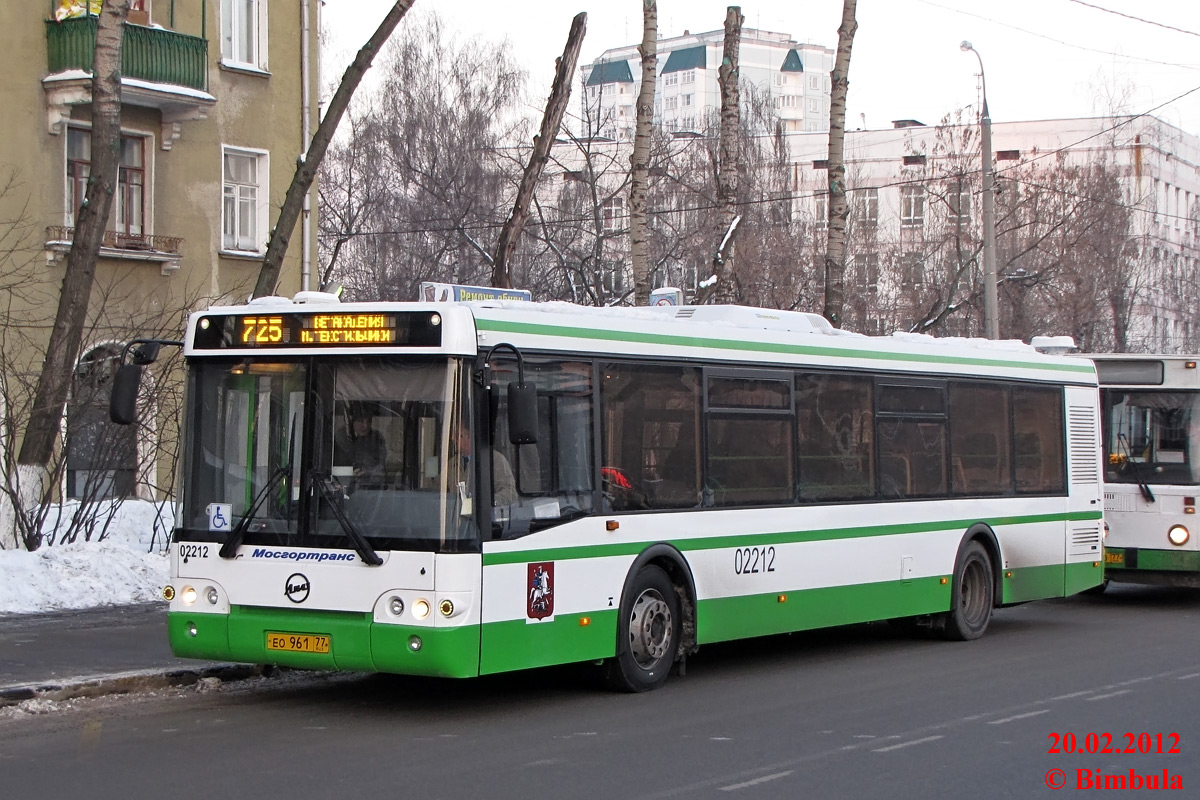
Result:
[{"x": 128, "y": 682}]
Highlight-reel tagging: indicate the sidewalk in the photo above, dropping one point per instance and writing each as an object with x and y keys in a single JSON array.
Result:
[{"x": 95, "y": 651}]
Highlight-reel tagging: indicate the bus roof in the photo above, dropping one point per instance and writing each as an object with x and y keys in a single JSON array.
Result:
[{"x": 704, "y": 333}]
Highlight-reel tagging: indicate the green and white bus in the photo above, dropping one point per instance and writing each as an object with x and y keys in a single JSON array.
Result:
[
  {"x": 547, "y": 483},
  {"x": 1150, "y": 412}
]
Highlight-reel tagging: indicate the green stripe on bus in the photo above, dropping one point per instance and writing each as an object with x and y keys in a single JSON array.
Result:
[
  {"x": 1158, "y": 560},
  {"x": 727, "y": 618},
  {"x": 1083, "y": 575},
  {"x": 357, "y": 643},
  {"x": 518, "y": 644},
  {"x": 761, "y": 539},
  {"x": 670, "y": 340}
]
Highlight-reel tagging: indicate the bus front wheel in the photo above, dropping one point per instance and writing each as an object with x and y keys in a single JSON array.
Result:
[
  {"x": 647, "y": 633},
  {"x": 972, "y": 596}
]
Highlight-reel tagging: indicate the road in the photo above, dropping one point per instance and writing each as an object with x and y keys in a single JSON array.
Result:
[{"x": 860, "y": 712}]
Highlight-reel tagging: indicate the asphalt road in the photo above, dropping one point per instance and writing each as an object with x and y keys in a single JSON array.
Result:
[{"x": 860, "y": 712}]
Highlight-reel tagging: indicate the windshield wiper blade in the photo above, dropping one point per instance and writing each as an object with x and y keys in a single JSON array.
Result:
[
  {"x": 364, "y": 550},
  {"x": 229, "y": 549}
]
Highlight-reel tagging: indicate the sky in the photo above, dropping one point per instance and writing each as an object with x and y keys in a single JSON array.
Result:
[
  {"x": 129, "y": 566},
  {"x": 1043, "y": 59}
]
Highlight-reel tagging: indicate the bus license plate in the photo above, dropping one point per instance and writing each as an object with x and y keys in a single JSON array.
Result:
[
  {"x": 298, "y": 642},
  {"x": 1114, "y": 558}
]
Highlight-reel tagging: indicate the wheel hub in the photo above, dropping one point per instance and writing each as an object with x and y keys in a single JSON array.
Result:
[{"x": 650, "y": 628}]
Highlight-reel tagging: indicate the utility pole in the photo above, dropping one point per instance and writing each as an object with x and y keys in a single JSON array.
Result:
[{"x": 991, "y": 302}]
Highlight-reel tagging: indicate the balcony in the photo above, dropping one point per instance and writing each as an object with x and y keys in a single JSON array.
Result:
[
  {"x": 160, "y": 69},
  {"x": 161, "y": 250},
  {"x": 149, "y": 54}
]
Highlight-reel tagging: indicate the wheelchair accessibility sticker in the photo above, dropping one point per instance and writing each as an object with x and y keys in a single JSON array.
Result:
[{"x": 219, "y": 515}]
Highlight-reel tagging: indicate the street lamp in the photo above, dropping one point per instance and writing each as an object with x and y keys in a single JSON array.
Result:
[{"x": 991, "y": 305}]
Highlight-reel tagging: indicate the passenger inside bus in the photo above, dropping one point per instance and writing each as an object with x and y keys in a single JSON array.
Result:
[{"x": 504, "y": 485}]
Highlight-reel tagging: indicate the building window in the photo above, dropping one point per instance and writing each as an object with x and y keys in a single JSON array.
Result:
[
  {"x": 958, "y": 199},
  {"x": 867, "y": 206},
  {"x": 243, "y": 208},
  {"x": 912, "y": 206},
  {"x": 689, "y": 76},
  {"x": 612, "y": 214},
  {"x": 866, "y": 271},
  {"x": 687, "y": 99},
  {"x": 128, "y": 215},
  {"x": 242, "y": 31}
]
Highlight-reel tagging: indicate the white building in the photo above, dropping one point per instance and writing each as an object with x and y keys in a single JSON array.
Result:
[
  {"x": 912, "y": 187},
  {"x": 795, "y": 76},
  {"x": 914, "y": 243}
]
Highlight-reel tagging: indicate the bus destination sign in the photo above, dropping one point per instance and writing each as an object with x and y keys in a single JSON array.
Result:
[
  {"x": 348, "y": 329},
  {"x": 314, "y": 331}
]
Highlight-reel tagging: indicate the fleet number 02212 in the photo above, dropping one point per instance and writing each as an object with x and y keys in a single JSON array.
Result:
[{"x": 752, "y": 560}]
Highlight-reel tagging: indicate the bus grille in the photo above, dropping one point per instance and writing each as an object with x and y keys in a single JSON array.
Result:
[
  {"x": 1081, "y": 421},
  {"x": 1085, "y": 541}
]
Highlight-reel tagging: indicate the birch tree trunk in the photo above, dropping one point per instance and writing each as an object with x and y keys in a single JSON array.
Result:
[
  {"x": 839, "y": 209},
  {"x": 91, "y": 218},
  {"x": 723, "y": 289},
  {"x": 639, "y": 161},
  {"x": 556, "y": 106},
  {"x": 306, "y": 170}
]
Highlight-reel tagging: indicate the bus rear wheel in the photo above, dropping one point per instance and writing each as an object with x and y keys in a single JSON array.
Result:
[
  {"x": 647, "y": 633},
  {"x": 972, "y": 596}
]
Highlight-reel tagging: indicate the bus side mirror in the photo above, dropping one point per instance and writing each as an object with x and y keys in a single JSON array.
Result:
[
  {"x": 146, "y": 354},
  {"x": 522, "y": 413},
  {"x": 122, "y": 406}
]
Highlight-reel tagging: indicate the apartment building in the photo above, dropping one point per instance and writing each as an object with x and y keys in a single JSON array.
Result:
[
  {"x": 915, "y": 195},
  {"x": 219, "y": 98},
  {"x": 793, "y": 77}
]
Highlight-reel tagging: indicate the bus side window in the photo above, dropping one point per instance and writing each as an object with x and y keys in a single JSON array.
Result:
[
  {"x": 651, "y": 417},
  {"x": 1038, "y": 440},
  {"x": 553, "y": 477}
]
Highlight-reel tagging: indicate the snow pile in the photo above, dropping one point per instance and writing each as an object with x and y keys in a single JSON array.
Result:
[{"x": 129, "y": 566}]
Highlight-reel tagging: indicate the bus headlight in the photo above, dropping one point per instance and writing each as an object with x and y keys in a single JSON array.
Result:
[
  {"x": 188, "y": 595},
  {"x": 396, "y": 606},
  {"x": 1178, "y": 535},
  {"x": 420, "y": 608},
  {"x": 210, "y": 594},
  {"x": 447, "y": 608}
]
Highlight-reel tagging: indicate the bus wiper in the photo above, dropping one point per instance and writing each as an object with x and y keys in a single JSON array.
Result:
[
  {"x": 229, "y": 549},
  {"x": 364, "y": 550},
  {"x": 1143, "y": 487}
]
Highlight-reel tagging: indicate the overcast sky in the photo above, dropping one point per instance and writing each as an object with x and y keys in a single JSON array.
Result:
[{"x": 1044, "y": 59}]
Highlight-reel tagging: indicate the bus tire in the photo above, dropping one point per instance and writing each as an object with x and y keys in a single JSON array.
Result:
[
  {"x": 972, "y": 596},
  {"x": 647, "y": 633}
]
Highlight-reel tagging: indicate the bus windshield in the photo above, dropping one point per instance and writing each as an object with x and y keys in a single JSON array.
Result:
[
  {"x": 318, "y": 452},
  {"x": 1150, "y": 436}
]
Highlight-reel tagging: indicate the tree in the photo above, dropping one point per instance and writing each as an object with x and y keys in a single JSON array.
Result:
[
  {"x": 640, "y": 158},
  {"x": 37, "y": 447},
  {"x": 556, "y": 106},
  {"x": 420, "y": 181},
  {"x": 839, "y": 210},
  {"x": 306, "y": 170},
  {"x": 729, "y": 77}
]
